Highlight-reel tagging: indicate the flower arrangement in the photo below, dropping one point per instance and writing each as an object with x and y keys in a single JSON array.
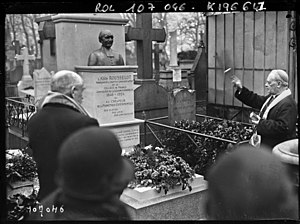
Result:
[
  {"x": 155, "y": 167},
  {"x": 20, "y": 167},
  {"x": 201, "y": 152},
  {"x": 18, "y": 205}
]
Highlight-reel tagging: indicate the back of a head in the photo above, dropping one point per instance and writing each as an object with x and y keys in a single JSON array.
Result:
[
  {"x": 250, "y": 184},
  {"x": 87, "y": 159},
  {"x": 63, "y": 80}
]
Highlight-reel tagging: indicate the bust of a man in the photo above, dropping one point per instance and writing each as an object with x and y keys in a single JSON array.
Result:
[{"x": 105, "y": 56}]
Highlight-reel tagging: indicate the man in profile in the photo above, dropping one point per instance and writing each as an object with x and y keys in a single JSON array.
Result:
[
  {"x": 105, "y": 56},
  {"x": 59, "y": 114}
]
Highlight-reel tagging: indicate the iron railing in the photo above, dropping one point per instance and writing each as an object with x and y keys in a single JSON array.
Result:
[
  {"x": 17, "y": 113},
  {"x": 151, "y": 125}
]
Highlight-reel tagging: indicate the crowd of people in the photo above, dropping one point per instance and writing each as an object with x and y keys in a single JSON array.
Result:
[{"x": 80, "y": 166}]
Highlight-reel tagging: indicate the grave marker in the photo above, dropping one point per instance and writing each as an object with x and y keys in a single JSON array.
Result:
[
  {"x": 144, "y": 35},
  {"x": 181, "y": 105},
  {"x": 26, "y": 80},
  {"x": 109, "y": 97},
  {"x": 173, "y": 49},
  {"x": 42, "y": 83}
]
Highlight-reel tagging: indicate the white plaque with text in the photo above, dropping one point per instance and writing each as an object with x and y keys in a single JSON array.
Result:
[{"x": 109, "y": 94}]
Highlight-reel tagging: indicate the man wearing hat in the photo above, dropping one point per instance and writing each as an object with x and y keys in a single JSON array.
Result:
[
  {"x": 276, "y": 121},
  {"x": 92, "y": 176},
  {"x": 59, "y": 113},
  {"x": 249, "y": 184}
]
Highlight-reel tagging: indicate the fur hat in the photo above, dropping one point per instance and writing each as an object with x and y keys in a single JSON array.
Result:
[{"x": 91, "y": 165}]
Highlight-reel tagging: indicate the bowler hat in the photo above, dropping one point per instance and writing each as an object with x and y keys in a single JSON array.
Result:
[{"x": 88, "y": 159}]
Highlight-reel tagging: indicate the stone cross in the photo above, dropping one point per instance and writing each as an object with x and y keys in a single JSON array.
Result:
[
  {"x": 26, "y": 80},
  {"x": 144, "y": 35}
]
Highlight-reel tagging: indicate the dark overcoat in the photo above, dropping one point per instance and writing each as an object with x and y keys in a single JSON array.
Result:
[
  {"x": 280, "y": 124},
  {"x": 47, "y": 129}
]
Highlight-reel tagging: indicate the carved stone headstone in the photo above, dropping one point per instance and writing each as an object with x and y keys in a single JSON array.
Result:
[
  {"x": 109, "y": 97},
  {"x": 42, "y": 82},
  {"x": 181, "y": 105},
  {"x": 109, "y": 94}
]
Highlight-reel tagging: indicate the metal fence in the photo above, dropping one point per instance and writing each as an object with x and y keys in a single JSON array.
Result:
[
  {"x": 17, "y": 113},
  {"x": 19, "y": 110},
  {"x": 156, "y": 128}
]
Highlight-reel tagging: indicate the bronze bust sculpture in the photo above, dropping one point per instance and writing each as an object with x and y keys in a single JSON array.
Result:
[{"x": 105, "y": 56}]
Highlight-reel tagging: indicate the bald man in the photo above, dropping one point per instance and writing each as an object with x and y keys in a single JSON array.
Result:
[
  {"x": 105, "y": 56},
  {"x": 60, "y": 114},
  {"x": 276, "y": 121}
]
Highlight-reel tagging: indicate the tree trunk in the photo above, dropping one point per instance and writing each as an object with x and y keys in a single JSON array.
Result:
[
  {"x": 34, "y": 36},
  {"x": 25, "y": 31},
  {"x": 163, "y": 24},
  {"x": 197, "y": 31},
  {"x": 13, "y": 26}
]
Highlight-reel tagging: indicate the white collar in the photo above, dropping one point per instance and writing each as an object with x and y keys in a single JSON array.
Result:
[{"x": 280, "y": 97}]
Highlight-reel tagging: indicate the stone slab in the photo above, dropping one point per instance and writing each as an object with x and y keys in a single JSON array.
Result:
[
  {"x": 109, "y": 94},
  {"x": 186, "y": 64},
  {"x": 181, "y": 105},
  {"x": 175, "y": 205},
  {"x": 128, "y": 133},
  {"x": 146, "y": 193},
  {"x": 41, "y": 83}
]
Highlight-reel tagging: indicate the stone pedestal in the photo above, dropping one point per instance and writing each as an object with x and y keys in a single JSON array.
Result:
[
  {"x": 166, "y": 80},
  {"x": 146, "y": 203},
  {"x": 186, "y": 64},
  {"x": 77, "y": 36},
  {"x": 109, "y": 97}
]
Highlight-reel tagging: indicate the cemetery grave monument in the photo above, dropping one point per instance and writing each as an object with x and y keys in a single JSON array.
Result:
[
  {"x": 174, "y": 76},
  {"x": 26, "y": 80},
  {"x": 110, "y": 95}
]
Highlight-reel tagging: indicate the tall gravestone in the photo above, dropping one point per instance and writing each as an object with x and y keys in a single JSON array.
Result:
[
  {"x": 174, "y": 77},
  {"x": 109, "y": 97},
  {"x": 181, "y": 105},
  {"x": 144, "y": 34},
  {"x": 42, "y": 83},
  {"x": 26, "y": 80}
]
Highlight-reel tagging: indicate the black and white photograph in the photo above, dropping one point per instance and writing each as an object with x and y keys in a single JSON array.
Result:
[{"x": 177, "y": 110}]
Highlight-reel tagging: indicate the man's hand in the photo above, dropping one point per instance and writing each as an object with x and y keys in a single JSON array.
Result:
[
  {"x": 236, "y": 82},
  {"x": 254, "y": 118}
]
